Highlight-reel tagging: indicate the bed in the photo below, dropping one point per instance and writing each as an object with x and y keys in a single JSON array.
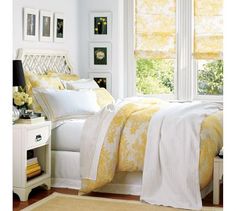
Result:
[{"x": 66, "y": 135}]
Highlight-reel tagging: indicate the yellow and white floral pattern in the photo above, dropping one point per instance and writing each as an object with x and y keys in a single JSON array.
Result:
[
  {"x": 124, "y": 145},
  {"x": 40, "y": 81},
  {"x": 103, "y": 97},
  {"x": 155, "y": 28},
  {"x": 63, "y": 76},
  {"x": 208, "y": 29}
]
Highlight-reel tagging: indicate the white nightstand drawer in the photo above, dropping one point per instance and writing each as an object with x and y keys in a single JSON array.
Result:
[{"x": 38, "y": 136}]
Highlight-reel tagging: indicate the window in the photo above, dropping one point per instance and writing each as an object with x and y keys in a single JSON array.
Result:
[
  {"x": 208, "y": 46},
  {"x": 155, "y": 76},
  {"x": 155, "y": 46},
  {"x": 178, "y": 50},
  {"x": 210, "y": 77}
]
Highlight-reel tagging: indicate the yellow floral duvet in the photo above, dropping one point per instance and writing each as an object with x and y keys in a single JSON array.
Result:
[{"x": 123, "y": 148}]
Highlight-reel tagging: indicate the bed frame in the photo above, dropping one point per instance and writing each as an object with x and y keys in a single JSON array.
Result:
[{"x": 40, "y": 61}]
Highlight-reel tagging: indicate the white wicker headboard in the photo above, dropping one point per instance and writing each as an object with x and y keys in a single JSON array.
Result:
[{"x": 40, "y": 61}]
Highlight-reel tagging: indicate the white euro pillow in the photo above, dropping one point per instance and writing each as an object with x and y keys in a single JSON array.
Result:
[
  {"x": 66, "y": 104},
  {"x": 80, "y": 84}
]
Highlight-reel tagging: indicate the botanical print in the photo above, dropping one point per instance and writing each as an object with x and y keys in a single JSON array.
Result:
[
  {"x": 31, "y": 21},
  {"x": 100, "y": 56},
  {"x": 46, "y": 26},
  {"x": 208, "y": 29},
  {"x": 60, "y": 26},
  {"x": 100, "y": 25},
  {"x": 102, "y": 82}
]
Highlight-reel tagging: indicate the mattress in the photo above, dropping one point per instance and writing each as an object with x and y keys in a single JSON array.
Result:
[{"x": 66, "y": 135}]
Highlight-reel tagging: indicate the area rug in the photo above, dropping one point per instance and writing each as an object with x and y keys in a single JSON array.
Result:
[{"x": 63, "y": 202}]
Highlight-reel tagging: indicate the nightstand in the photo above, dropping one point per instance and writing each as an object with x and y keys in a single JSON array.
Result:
[
  {"x": 217, "y": 177},
  {"x": 37, "y": 138}
]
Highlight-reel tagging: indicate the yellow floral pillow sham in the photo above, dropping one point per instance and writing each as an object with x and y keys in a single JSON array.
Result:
[
  {"x": 63, "y": 76},
  {"x": 40, "y": 81},
  {"x": 103, "y": 97}
]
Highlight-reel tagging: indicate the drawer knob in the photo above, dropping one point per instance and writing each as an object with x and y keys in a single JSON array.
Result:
[{"x": 38, "y": 138}]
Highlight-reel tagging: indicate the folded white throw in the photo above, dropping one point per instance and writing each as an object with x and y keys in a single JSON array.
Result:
[
  {"x": 170, "y": 174},
  {"x": 94, "y": 131}
]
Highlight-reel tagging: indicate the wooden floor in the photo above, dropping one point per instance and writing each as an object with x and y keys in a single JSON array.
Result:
[{"x": 39, "y": 193}]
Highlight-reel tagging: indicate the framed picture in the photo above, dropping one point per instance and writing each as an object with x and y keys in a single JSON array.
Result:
[
  {"x": 102, "y": 79},
  {"x": 46, "y": 26},
  {"x": 100, "y": 56},
  {"x": 100, "y": 26},
  {"x": 30, "y": 24},
  {"x": 59, "y": 27}
]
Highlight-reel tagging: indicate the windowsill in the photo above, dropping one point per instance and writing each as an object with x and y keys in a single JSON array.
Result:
[
  {"x": 167, "y": 97},
  {"x": 172, "y": 98},
  {"x": 211, "y": 98}
]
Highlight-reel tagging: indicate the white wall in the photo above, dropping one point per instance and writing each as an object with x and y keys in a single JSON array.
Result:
[
  {"x": 70, "y": 8},
  {"x": 117, "y": 70}
]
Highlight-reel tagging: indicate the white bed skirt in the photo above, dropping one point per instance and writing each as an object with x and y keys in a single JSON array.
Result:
[
  {"x": 66, "y": 169},
  {"x": 66, "y": 174}
]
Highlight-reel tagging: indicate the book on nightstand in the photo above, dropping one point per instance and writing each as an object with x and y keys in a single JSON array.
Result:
[
  {"x": 33, "y": 168},
  {"x": 31, "y": 120}
]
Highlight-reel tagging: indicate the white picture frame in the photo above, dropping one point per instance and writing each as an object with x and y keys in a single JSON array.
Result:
[
  {"x": 100, "y": 56},
  {"x": 46, "y": 26},
  {"x": 59, "y": 27},
  {"x": 103, "y": 76},
  {"x": 30, "y": 26},
  {"x": 104, "y": 33}
]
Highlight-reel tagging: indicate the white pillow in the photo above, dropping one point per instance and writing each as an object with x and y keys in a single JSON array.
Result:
[
  {"x": 66, "y": 104},
  {"x": 80, "y": 84}
]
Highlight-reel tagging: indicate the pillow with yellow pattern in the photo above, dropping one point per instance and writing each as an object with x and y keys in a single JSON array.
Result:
[
  {"x": 63, "y": 76},
  {"x": 40, "y": 81},
  {"x": 103, "y": 97}
]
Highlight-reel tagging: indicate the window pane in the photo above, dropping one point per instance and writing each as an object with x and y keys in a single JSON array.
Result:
[
  {"x": 155, "y": 76},
  {"x": 210, "y": 77}
]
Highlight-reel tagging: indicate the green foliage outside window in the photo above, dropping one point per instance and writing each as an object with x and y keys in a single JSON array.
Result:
[
  {"x": 155, "y": 76},
  {"x": 210, "y": 78}
]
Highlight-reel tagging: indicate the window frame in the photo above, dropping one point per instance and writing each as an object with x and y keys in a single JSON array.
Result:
[
  {"x": 131, "y": 63},
  {"x": 185, "y": 72},
  {"x": 162, "y": 96},
  {"x": 196, "y": 96}
]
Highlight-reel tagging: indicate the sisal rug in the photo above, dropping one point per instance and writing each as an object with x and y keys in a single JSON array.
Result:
[{"x": 63, "y": 202}]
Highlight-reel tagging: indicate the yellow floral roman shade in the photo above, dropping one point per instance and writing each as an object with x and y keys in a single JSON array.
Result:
[
  {"x": 155, "y": 31},
  {"x": 208, "y": 29}
]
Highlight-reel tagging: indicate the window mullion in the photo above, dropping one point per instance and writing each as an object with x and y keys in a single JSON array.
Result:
[{"x": 184, "y": 49}]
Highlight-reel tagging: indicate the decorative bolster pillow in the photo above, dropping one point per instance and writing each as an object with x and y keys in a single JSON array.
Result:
[
  {"x": 80, "y": 84},
  {"x": 66, "y": 104}
]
